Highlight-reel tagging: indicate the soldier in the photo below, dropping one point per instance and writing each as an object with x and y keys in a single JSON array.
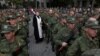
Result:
[
  {"x": 11, "y": 19},
  {"x": 71, "y": 14},
  {"x": 65, "y": 37},
  {"x": 17, "y": 22},
  {"x": 58, "y": 26},
  {"x": 61, "y": 23},
  {"x": 51, "y": 21},
  {"x": 21, "y": 25},
  {"x": 11, "y": 45},
  {"x": 87, "y": 41}
]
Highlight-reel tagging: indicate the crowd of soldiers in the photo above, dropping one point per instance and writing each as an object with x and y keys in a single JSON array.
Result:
[
  {"x": 13, "y": 32},
  {"x": 71, "y": 32}
]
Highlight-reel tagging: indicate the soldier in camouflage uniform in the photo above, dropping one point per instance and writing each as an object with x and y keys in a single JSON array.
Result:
[
  {"x": 11, "y": 20},
  {"x": 51, "y": 20},
  {"x": 58, "y": 26},
  {"x": 61, "y": 23},
  {"x": 22, "y": 25},
  {"x": 87, "y": 41},
  {"x": 71, "y": 14},
  {"x": 18, "y": 21},
  {"x": 65, "y": 37},
  {"x": 10, "y": 45}
]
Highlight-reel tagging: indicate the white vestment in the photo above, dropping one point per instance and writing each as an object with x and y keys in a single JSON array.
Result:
[{"x": 39, "y": 24}]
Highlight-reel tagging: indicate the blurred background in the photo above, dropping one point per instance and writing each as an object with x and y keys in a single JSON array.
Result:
[{"x": 47, "y": 3}]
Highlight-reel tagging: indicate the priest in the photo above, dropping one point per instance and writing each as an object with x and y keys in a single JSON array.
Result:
[{"x": 37, "y": 23}]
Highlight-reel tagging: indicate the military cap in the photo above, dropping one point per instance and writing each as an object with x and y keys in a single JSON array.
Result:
[
  {"x": 6, "y": 28},
  {"x": 92, "y": 24},
  {"x": 71, "y": 20},
  {"x": 11, "y": 17},
  {"x": 18, "y": 14}
]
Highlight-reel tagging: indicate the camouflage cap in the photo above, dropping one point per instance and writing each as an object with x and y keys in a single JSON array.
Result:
[
  {"x": 18, "y": 14},
  {"x": 71, "y": 20},
  {"x": 11, "y": 17},
  {"x": 92, "y": 24},
  {"x": 6, "y": 28}
]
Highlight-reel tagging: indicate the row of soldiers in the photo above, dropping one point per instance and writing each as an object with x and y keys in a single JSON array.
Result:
[
  {"x": 13, "y": 32},
  {"x": 71, "y": 33}
]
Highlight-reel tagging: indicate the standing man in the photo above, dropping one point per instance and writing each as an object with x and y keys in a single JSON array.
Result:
[
  {"x": 37, "y": 23},
  {"x": 51, "y": 22}
]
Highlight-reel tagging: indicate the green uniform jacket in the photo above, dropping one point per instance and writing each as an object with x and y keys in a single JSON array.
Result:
[
  {"x": 52, "y": 21},
  {"x": 6, "y": 48},
  {"x": 57, "y": 27},
  {"x": 21, "y": 30},
  {"x": 65, "y": 35},
  {"x": 81, "y": 45}
]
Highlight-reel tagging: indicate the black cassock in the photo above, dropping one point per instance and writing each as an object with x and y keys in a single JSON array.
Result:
[{"x": 37, "y": 28}]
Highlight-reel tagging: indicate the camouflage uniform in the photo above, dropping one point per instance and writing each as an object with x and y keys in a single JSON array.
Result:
[
  {"x": 65, "y": 35},
  {"x": 56, "y": 29},
  {"x": 92, "y": 52},
  {"x": 13, "y": 48},
  {"x": 50, "y": 23},
  {"x": 84, "y": 43},
  {"x": 20, "y": 28}
]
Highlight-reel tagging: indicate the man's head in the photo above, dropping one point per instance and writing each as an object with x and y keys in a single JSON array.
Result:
[
  {"x": 51, "y": 11},
  {"x": 79, "y": 17},
  {"x": 71, "y": 23},
  {"x": 91, "y": 28},
  {"x": 62, "y": 20},
  {"x": 37, "y": 13},
  {"x": 7, "y": 31},
  {"x": 11, "y": 19},
  {"x": 71, "y": 13}
]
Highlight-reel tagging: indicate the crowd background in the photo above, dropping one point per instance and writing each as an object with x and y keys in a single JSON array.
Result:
[{"x": 71, "y": 27}]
